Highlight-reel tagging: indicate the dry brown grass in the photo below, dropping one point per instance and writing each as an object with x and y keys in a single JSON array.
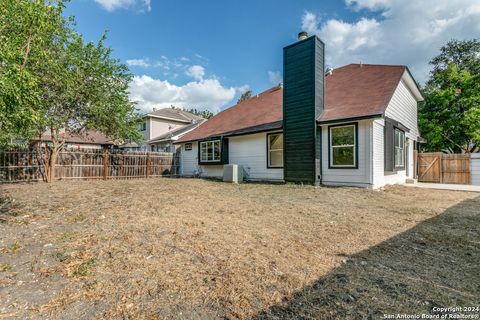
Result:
[{"x": 185, "y": 248}]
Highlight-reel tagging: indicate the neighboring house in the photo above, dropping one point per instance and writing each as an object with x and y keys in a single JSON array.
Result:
[
  {"x": 355, "y": 125},
  {"x": 164, "y": 126},
  {"x": 86, "y": 139}
]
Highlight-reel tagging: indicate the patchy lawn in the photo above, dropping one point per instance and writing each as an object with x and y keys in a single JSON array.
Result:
[{"x": 185, "y": 248}]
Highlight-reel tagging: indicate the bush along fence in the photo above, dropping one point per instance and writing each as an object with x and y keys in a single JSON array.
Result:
[{"x": 27, "y": 165}]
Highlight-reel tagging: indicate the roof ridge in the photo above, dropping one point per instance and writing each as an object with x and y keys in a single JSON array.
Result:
[{"x": 373, "y": 64}]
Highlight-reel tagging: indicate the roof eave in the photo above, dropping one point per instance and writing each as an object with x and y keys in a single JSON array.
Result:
[
  {"x": 166, "y": 118},
  {"x": 347, "y": 119}
]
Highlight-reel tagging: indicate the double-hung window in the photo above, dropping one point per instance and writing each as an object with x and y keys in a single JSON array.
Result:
[
  {"x": 275, "y": 150},
  {"x": 399, "y": 144},
  {"x": 343, "y": 146},
  {"x": 210, "y": 151}
]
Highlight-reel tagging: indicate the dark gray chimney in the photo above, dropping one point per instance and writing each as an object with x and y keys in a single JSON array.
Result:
[{"x": 303, "y": 102}]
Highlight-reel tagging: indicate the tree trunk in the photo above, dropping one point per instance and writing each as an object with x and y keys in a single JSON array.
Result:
[
  {"x": 52, "y": 163},
  {"x": 51, "y": 156}
]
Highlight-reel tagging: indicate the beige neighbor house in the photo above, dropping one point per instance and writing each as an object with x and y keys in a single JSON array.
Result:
[{"x": 162, "y": 127}]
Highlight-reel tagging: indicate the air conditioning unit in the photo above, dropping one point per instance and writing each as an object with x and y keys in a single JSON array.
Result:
[{"x": 233, "y": 173}]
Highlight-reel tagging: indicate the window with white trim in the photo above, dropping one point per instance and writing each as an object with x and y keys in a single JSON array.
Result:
[
  {"x": 399, "y": 148},
  {"x": 343, "y": 146},
  {"x": 275, "y": 150},
  {"x": 210, "y": 151}
]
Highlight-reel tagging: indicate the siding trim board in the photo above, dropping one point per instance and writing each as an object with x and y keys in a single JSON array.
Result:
[
  {"x": 372, "y": 116},
  {"x": 355, "y": 124},
  {"x": 242, "y": 132}
]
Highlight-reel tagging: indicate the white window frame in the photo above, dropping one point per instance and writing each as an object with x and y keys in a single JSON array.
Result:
[
  {"x": 400, "y": 148},
  {"x": 212, "y": 143},
  {"x": 354, "y": 145},
  {"x": 269, "y": 150},
  {"x": 143, "y": 126}
]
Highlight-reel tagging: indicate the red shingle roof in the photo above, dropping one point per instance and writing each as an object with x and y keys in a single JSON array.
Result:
[
  {"x": 261, "y": 109},
  {"x": 85, "y": 136},
  {"x": 351, "y": 91},
  {"x": 359, "y": 90}
]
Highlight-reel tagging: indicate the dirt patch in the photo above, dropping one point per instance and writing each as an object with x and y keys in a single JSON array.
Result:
[{"x": 187, "y": 248}]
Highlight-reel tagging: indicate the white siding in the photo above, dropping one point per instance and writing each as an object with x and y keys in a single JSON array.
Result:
[
  {"x": 410, "y": 158},
  {"x": 378, "y": 144},
  {"x": 189, "y": 164},
  {"x": 403, "y": 108},
  {"x": 249, "y": 151},
  {"x": 380, "y": 177},
  {"x": 354, "y": 177},
  {"x": 475, "y": 168}
]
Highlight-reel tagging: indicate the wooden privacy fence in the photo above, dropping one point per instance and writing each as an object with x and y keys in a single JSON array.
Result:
[
  {"x": 26, "y": 165},
  {"x": 444, "y": 168}
]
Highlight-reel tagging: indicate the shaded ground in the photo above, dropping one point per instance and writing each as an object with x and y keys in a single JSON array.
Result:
[{"x": 184, "y": 248}]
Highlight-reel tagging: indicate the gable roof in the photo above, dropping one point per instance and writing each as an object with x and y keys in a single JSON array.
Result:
[
  {"x": 84, "y": 136},
  {"x": 359, "y": 90},
  {"x": 174, "y": 134},
  {"x": 351, "y": 91},
  {"x": 174, "y": 114},
  {"x": 261, "y": 109}
]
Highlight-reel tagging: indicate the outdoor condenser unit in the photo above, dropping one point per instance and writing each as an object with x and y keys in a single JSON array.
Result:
[{"x": 232, "y": 173}]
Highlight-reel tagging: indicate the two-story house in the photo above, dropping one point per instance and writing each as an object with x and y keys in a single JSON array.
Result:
[{"x": 162, "y": 127}]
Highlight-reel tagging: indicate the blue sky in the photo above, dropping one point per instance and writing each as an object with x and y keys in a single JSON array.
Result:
[{"x": 205, "y": 53}]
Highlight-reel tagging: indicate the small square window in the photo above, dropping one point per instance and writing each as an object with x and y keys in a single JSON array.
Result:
[
  {"x": 188, "y": 146},
  {"x": 210, "y": 151}
]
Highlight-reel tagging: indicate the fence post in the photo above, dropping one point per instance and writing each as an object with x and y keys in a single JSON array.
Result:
[
  {"x": 147, "y": 169},
  {"x": 105, "y": 164},
  {"x": 440, "y": 158}
]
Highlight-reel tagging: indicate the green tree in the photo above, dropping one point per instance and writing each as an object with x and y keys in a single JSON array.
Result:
[
  {"x": 206, "y": 114},
  {"x": 449, "y": 118},
  {"x": 52, "y": 80},
  {"x": 245, "y": 96}
]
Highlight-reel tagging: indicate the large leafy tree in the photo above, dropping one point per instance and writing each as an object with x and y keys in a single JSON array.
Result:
[
  {"x": 245, "y": 96},
  {"x": 206, "y": 114},
  {"x": 450, "y": 116},
  {"x": 54, "y": 81}
]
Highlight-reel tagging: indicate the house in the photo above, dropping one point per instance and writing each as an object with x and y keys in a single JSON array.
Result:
[
  {"x": 162, "y": 127},
  {"x": 352, "y": 126},
  {"x": 85, "y": 139}
]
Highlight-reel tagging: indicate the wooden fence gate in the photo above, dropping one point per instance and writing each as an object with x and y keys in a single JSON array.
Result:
[{"x": 444, "y": 168}]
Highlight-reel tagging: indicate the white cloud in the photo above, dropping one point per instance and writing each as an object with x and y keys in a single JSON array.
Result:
[
  {"x": 368, "y": 4},
  {"x": 407, "y": 32},
  {"x": 138, "y": 63},
  {"x": 203, "y": 94},
  {"x": 275, "y": 77},
  {"x": 139, "y": 5},
  {"x": 196, "y": 72}
]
